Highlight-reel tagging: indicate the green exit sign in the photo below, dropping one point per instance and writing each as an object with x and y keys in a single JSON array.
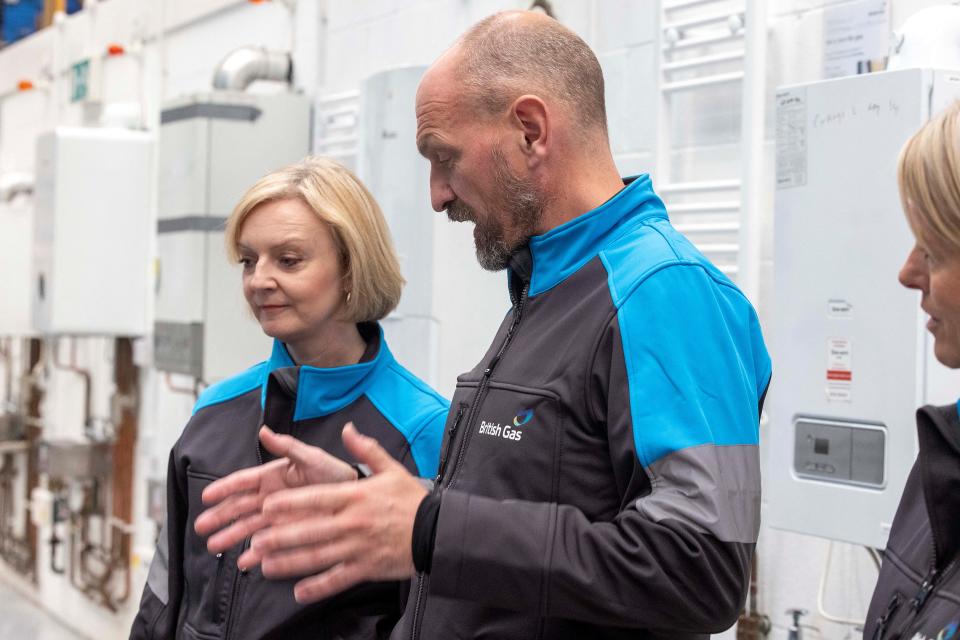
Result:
[{"x": 81, "y": 80}]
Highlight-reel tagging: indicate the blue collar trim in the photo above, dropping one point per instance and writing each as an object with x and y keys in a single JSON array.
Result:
[
  {"x": 322, "y": 391},
  {"x": 562, "y": 251}
]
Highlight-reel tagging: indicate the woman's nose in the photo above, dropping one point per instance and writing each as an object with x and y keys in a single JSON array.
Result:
[
  {"x": 262, "y": 278},
  {"x": 913, "y": 272}
]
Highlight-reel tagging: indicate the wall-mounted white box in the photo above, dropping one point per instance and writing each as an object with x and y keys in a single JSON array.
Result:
[
  {"x": 16, "y": 256},
  {"x": 213, "y": 147},
  {"x": 92, "y": 227},
  {"x": 852, "y": 358}
]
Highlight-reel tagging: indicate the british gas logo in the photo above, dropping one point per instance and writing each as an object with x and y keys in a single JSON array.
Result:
[
  {"x": 523, "y": 417},
  {"x": 949, "y": 631},
  {"x": 506, "y": 431}
]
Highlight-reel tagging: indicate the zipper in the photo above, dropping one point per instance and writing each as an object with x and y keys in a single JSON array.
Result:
[
  {"x": 885, "y": 616},
  {"x": 234, "y": 594},
  {"x": 451, "y": 433},
  {"x": 217, "y": 609},
  {"x": 417, "y": 621},
  {"x": 474, "y": 409},
  {"x": 485, "y": 382},
  {"x": 919, "y": 601}
]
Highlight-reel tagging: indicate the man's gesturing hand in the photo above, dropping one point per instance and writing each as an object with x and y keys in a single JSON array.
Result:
[
  {"x": 239, "y": 496},
  {"x": 349, "y": 532}
]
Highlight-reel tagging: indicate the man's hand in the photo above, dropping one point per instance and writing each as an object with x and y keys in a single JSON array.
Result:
[
  {"x": 349, "y": 532},
  {"x": 238, "y": 497}
]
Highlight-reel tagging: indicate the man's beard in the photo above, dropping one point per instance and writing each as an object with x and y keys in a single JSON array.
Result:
[{"x": 516, "y": 197}]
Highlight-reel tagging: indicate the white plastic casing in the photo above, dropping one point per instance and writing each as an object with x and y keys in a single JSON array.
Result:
[
  {"x": 92, "y": 228},
  {"x": 213, "y": 147},
  {"x": 16, "y": 257},
  {"x": 849, "y": 343}
]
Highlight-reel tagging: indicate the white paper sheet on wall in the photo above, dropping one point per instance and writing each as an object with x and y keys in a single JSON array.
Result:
[
  {"x": 791, "y": 138},
  {"x": 856, "y": 38}
]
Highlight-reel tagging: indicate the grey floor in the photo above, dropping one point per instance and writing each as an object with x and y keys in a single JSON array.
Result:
[{"x": 20, "y": 619}]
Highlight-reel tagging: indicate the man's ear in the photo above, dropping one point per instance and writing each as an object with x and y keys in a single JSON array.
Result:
[{"x": 530, "y": 117}]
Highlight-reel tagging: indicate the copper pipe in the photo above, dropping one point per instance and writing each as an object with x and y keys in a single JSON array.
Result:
[
  {"x": 6, "y": 351},
  {"x": 127, "y": 381}
]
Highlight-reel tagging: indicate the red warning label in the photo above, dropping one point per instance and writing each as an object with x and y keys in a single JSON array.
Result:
[{"x": 834, "y": 374}]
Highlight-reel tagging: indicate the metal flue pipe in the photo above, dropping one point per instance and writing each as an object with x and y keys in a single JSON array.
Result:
[{"x": 245, "y": 65}]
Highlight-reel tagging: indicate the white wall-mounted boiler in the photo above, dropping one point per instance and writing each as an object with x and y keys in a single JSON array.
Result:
[
  {"x": 92, "y": 218},
  {"x": 852, "y": 358}
]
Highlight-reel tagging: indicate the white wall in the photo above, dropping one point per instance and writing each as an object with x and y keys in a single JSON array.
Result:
[{"x": 337, "y": 43}]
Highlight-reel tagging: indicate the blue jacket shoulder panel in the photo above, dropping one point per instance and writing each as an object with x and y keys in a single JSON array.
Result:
[
  {"x": 643, "y": 248},
  {"x": 415, "y": 410},
  {"x": 232, "y": 387},
  {"x": 696, "y": 361}
]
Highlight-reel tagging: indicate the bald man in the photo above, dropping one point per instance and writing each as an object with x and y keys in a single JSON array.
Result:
[{"x": 599, "y": 476}]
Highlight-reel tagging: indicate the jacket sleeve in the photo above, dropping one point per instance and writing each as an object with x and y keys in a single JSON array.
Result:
[
  {"x": 160, "y": 602},
  {"x": 677, "y": 379}
]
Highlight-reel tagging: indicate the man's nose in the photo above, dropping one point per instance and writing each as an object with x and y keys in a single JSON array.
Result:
[
  {"x": 913, "y": 273},
  {"x": 441, "y": 195}
]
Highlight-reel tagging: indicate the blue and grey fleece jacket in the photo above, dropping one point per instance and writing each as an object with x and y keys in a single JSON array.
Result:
[
  {"x": 194, "y": 595},
  {"x": 599, "y": 477}
]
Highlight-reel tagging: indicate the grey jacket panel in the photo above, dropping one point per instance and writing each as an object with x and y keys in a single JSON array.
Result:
[
  {"x": 208, "y": 596},
  {"x": 918, "y": 591},
  {"x": 714, "y": 489}
]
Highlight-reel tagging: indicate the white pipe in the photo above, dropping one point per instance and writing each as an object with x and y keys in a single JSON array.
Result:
[
  {"x": 716, "y": 18},
  {"x": 686, "y": 4},
  {"x": 699, "y": 187},
  {"x": 691, "y": 228},
  {"x": 704, "y": 207},
  {"x": 339, "y": 97},
  {"x": 718, "y": 247},
  {"x": 241, "y": 67},
  {"x": 753, "y": 106},
  {"x": 705, "y": 81},
  {"x": 336, "y": 141},
  {"x": 686, "y": 43},
  {"x": 692, "y": 63}
]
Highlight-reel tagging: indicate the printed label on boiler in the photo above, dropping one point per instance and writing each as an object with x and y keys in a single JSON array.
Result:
[{"x": 839, "y": 369}]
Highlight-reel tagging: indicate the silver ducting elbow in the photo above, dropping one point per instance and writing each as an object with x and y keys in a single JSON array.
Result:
[
  {"x": 15, "y": 184},
  {"x": 241, "y": 67}
]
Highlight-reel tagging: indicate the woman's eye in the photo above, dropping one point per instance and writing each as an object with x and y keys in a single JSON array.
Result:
[
  {"x": 289, "y": 261},
  {"x": 246, "y": 263}
]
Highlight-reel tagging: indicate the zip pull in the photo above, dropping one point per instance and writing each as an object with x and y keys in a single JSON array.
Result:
[
  {"x": 452, "y": 431},
  {"x": 925, "y": 590},
  {"x": 885, "y": 616}
]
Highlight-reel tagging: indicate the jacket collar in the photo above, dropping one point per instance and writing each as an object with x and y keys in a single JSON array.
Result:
[
  {"x": 559, "y": 253},
  {"x": 322, "y": 391},
  {"x": 938, "y": 431}
]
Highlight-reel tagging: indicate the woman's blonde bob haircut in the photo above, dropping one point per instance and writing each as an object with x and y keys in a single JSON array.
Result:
[
  {"x": 928, "y": 174},
  {"x": 368, "y": 261}
]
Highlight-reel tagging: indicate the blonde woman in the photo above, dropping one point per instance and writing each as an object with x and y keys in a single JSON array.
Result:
[
  {"x": 918, "y": 592},
  {"x": 319, "y": 271}
]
